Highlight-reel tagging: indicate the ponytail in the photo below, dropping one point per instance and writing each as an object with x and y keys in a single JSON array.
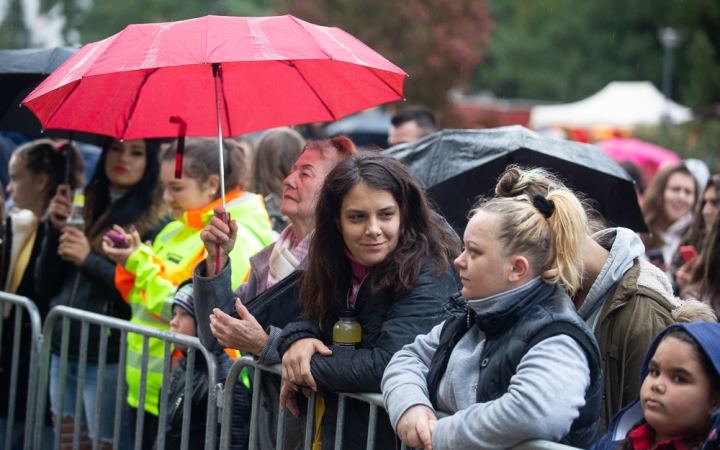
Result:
[
  {"x": 567, "y": 226},
  {"x": 548, "y": 231}
]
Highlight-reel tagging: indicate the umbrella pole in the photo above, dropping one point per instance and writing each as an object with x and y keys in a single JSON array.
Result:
[
  {"x": 225, "y": 217},
  {"x": 216, "y": 77}
]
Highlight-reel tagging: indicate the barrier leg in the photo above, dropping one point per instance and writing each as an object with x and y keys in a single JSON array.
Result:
[
  {"x": 340, "y": 426},
  {"x": 162, "y": 417},
  {"x": 80, "y": 394},
  {"x": 119, "y": 397},
  {"x": 310, "y": 424},
  {"x": 100, "y": 391}
]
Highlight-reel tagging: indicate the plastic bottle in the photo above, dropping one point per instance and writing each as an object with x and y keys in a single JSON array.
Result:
[
  {"x": 347, "y": 332},
  {"x": 76, "y": 219}
]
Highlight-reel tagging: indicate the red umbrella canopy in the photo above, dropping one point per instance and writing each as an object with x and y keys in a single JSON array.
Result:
[{"x": 273, "y": 71}]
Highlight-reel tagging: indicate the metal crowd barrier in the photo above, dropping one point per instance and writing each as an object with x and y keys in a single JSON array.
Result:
[
  {"x": 374, "y": 400},
  {"x": 106, "y": 323},
  {"x": 22, "y": 306}
]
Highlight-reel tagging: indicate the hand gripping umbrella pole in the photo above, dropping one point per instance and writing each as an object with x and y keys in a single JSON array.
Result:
[{"x": 225, "y": 216}]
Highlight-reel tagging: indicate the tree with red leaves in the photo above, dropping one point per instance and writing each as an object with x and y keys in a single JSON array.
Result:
[{"x": 437, "y": 42}]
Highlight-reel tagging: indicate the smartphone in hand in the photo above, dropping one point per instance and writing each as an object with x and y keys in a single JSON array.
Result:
[
  {"x": 688, "y": 252},
  {"x": 117, "y": 239}
]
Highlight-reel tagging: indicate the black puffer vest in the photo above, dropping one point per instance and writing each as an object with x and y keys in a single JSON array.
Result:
[{"x": 510, "y": 332}]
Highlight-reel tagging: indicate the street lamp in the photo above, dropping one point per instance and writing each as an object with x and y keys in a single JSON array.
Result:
[{"x": 670, "y": 41}]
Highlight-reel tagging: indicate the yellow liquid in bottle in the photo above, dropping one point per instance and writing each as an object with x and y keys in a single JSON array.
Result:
[{"x": 347, "y": 332}]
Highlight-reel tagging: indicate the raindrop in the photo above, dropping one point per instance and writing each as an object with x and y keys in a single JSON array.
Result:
[{"x": 613, "y": 35}]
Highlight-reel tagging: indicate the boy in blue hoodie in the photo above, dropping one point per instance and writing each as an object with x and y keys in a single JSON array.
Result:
[{"x": 679, "y": 394}]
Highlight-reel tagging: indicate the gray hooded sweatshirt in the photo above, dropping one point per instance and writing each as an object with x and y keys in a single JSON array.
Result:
[
  {"x": 544, "y": 397},
  {"x": 625, "y": 248}
]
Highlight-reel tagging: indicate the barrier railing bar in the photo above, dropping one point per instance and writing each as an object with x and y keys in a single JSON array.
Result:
[
  {"x": 229, "y": 388},
  {"x": 100, "y": 390},
  {"x": 37, "y": 343},
  {"x": 310, "y": 423},
  {"x": 120, "y": 393},
  {"x": 65, "y": 343},
  {"x": 80, "y": 388},
  {"x": 140, "y": 416},
  {"x": 340, "y": 427},
  {"x": 281, "y": 421},
  {"x": 187, "y": 405},
  {"x": 372, "y": 427},
  {"x": 162, "y": 417},
  {"x": 13, "y": 376}
]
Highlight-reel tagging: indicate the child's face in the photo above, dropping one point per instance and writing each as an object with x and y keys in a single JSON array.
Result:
[
  {"x": 676, "y": 396},
  {"x": 182, "y": 322}
]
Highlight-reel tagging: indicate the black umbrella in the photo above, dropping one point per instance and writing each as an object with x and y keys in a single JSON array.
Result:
[
  {"x": 456, "y": 166},
  {"x": 21, "y": 71}
]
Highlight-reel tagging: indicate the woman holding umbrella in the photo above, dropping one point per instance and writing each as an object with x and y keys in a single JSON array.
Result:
[
  {"x": 148, "y": 275},
  {"x": 73, "y": 268}
]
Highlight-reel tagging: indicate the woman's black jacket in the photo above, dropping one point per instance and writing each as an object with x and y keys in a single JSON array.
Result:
[{"x": 387, "y": 325}]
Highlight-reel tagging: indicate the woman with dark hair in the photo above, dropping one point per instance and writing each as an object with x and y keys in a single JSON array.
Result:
[
  {"x": 147, "y": 276},
  {"x": 274, "y": 157},
  {"x": 379, "y": 256},
  {"x": 704, "y": 283},
  {"x": 667, "y": 207},
  {"x": 74, "y": 270},
  {"x": 272, "y": 267},
  {"x": 702, "y": 226},
  {"x": 36, "y": 169}
]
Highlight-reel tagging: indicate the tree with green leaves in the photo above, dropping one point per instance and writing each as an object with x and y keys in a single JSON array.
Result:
[
  {"x": 93, "y": 20},
  {"x": 565, "y": 50},
  {"x": 13, "y": 32},
  {"x": 438, "y": 43}
]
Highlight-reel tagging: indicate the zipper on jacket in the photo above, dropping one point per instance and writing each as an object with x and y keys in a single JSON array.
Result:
[{"x": 175, "y": 407}]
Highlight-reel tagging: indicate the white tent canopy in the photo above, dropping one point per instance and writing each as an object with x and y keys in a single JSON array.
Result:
[{"x": 620, "y": 104}]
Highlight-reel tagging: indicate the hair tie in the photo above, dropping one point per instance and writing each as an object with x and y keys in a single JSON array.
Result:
[{"x": 545, "y": 206}]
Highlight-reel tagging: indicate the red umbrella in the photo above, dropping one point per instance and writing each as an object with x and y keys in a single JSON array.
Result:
[
  {"x": 271, "y": 71},
  {"x": 224, "y": 75}
]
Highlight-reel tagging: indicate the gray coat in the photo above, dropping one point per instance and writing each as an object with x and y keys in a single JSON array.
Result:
[{"x": 216, "y": 292}]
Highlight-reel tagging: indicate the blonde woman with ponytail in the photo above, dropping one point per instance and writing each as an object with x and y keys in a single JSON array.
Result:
[{"x": 519, "y": 364}]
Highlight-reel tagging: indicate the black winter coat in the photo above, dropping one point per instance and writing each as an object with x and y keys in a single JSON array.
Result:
[
  {"x": 387, "y": 325},
  {"x": 90, "y": 287}
]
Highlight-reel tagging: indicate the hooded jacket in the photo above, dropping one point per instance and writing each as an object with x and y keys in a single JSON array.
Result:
[
  {"x": 706, "y": 334},
  {"x": 521, "y": 365},
  {"x": 629, "y": 303}
]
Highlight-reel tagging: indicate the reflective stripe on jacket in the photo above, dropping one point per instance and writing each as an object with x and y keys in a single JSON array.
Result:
[{"x": 151, "y": 276}]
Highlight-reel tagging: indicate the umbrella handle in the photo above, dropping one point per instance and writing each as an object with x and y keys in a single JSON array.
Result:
[{"x": 225, "y": 217}]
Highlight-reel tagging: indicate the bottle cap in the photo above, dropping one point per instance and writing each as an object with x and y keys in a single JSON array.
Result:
[{"x": 347, "y": 313}]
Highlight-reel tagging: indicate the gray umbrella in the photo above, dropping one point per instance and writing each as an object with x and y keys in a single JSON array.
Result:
[{"x": 457, "y": 166}]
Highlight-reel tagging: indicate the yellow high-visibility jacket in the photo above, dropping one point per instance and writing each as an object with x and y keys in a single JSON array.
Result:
[{"x": 152, "y": 274}]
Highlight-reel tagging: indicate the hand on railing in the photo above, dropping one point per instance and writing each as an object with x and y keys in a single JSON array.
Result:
[{"x": 416, "y": 426}]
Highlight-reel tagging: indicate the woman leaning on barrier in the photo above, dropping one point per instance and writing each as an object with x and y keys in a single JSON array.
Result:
[
  {"x": 36, "y": 170},
  {"x": 74, "y": 270},
  {"x": 520, "y": 364},
  {"x": 380, "y": 256}
]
